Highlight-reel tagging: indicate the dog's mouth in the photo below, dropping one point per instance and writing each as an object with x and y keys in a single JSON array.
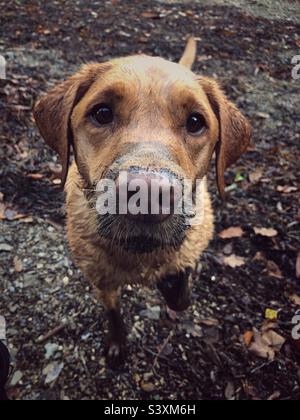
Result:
[
  {"x": 140, "y": 237},
  {"x": 146, "y": 216}
]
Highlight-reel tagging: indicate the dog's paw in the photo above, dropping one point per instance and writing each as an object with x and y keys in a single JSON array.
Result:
[
  {"x": 176, "y": 291},
  {"x": 115, "y": 354}
]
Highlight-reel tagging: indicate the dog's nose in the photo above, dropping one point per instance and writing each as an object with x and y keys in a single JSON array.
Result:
[{"x": 147, "y": 197}]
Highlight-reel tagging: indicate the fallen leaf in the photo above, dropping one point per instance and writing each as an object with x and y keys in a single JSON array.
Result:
[
  {"x": 152, "y": 312},
  {"x": 172, "y": 314},
  {"x": 193, "y": 330},
  {"x": 209, "y": 322},
  {"x": 17, "y": 376},
  {"x": 2, "y": 211},
  {"x": 271, "y": 314},
  {"x": 268, "y": 232},
  {"x": 295, "y": 299},
  {"x": 261, "y": 348},
  {"x": 234, "y": 261},
  {"x": 259, "y": 257},
  {"x": 147, "y": 386},
  {"x": 52, "y": 372},
  {"x": 51, "y": 349},
  {"x": 28, "y": 219},
  {"x": 274, "y": 339},
  {"x": 263, "y": 115},
  {"x": 18, "y": 265},
  {"x": 286, "y": 189},
  {"x": 248, "y": 337},
  {"x": 269, "y": 324},
  {"x": 239, "y": 177},
  {"x": 232, "y": 232},
  {"x": 35, "y": 177},
  {"x": 274, "y": 270},
  {"x": 256, "y": 176},
  {"x": 266, "y": 342},
  {"x": 229, "y": 391},
  {"x": 275, "y": 396},
  {"x": 298, "y": 266},
  {"x": 151, "y": 15}
]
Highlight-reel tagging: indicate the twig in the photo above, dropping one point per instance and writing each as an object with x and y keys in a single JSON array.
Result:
[
  {"x": 51, "y": 333},
  {"x": 162, "y": 347}
]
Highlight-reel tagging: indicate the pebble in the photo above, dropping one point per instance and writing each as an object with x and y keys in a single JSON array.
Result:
[
  {"x": 17, "y": 376},
  {"x": 5, "y": 248}
]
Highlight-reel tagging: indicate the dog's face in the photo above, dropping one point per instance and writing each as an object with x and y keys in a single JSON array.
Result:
[
  {"x": 145, "y": 112},
  {"x": 154, "y": 119}
]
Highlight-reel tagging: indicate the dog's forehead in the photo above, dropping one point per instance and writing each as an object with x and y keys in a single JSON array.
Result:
[{"x": 148, "y": 70}]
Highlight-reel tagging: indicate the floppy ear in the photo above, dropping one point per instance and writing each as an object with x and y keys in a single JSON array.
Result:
[
  {"x": 53, "y": 111},
  {"x": 235, "y": 130}
]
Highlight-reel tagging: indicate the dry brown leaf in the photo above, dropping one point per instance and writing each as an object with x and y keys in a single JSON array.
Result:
[
  {"x": 268, "y": 232},
  {"x": 147, "y": 386},
  {"x": 259, "y": 257},
  {"x": 274, "y": 270},
  {"x": 234, "y": 261},
  {"x": 298, "y": 266},
  {"x": 248, "y": 337},
  {"x": 274, "y": 339},
  {"x": 286, "y": 189},
  {"x": 36, "y": 177},
  {"x": 18, "y": 265},
  {"x": 266, "y": 343},
  {"x": 2, "y": 211},
  {"x": 295, "y": 299},
  {"x": 275, "y": 396},
  {"x": 232, "y": 232},
  {"x": 256, "y": 176},
  {"x": 261, "y": 348},
  {"x": 151, "y": 15},
  {"x": 209, "y": 322},
  {"x": 262, "y": 115},
  {"x": 26, "y": 219},
  {"x": 269, "y": 324}
]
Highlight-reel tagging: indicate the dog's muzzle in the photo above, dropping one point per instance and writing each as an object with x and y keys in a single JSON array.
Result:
[
  {"x": 145, "y": 214},
  {"x": 148, "y": 197}
]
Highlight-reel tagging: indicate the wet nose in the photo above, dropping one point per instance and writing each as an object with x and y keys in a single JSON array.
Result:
[{"x": 148, "y": 197}]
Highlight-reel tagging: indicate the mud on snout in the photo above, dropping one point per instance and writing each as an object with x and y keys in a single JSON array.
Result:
[{"x": 144, "y": 200}]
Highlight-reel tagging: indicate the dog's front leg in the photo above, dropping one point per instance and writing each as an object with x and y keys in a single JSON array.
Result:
[
  {"x": 116, "y": 340},
  {"x": 176, "y": 289}
]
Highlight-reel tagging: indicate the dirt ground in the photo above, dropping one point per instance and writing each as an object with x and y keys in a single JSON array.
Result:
[{"x": 224, "y": 346}]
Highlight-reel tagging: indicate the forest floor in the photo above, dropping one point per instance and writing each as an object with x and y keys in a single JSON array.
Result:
[{"x": 225, "y": 345}]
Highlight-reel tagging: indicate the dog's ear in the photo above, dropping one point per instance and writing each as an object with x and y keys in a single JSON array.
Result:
[
  {"x": 189, "y": 55},
  {"x": 234, "y": 128},
  {"x": 53, "y": 111}
]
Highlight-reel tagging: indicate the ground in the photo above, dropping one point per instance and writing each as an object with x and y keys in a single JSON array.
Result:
[{"x": 223, "y": 346}]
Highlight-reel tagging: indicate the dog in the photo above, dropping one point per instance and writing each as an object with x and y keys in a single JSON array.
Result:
[{"x": 159, "y": 122}]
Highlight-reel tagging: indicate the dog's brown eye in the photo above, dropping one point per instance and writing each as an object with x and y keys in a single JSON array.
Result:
[
  {"x": 103, "y": 114},
  {"x": 195, "y": 123}
]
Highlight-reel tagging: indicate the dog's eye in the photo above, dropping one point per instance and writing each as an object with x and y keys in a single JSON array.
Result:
[
  {"x": 195, "y": 123},
  {"x": 103, "y": 114}
]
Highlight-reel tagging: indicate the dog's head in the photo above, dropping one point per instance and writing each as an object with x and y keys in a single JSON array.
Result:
[{"x": 154, "y": 119}]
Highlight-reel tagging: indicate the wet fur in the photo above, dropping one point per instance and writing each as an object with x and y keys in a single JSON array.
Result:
[{"x": 153, "y": 98}]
